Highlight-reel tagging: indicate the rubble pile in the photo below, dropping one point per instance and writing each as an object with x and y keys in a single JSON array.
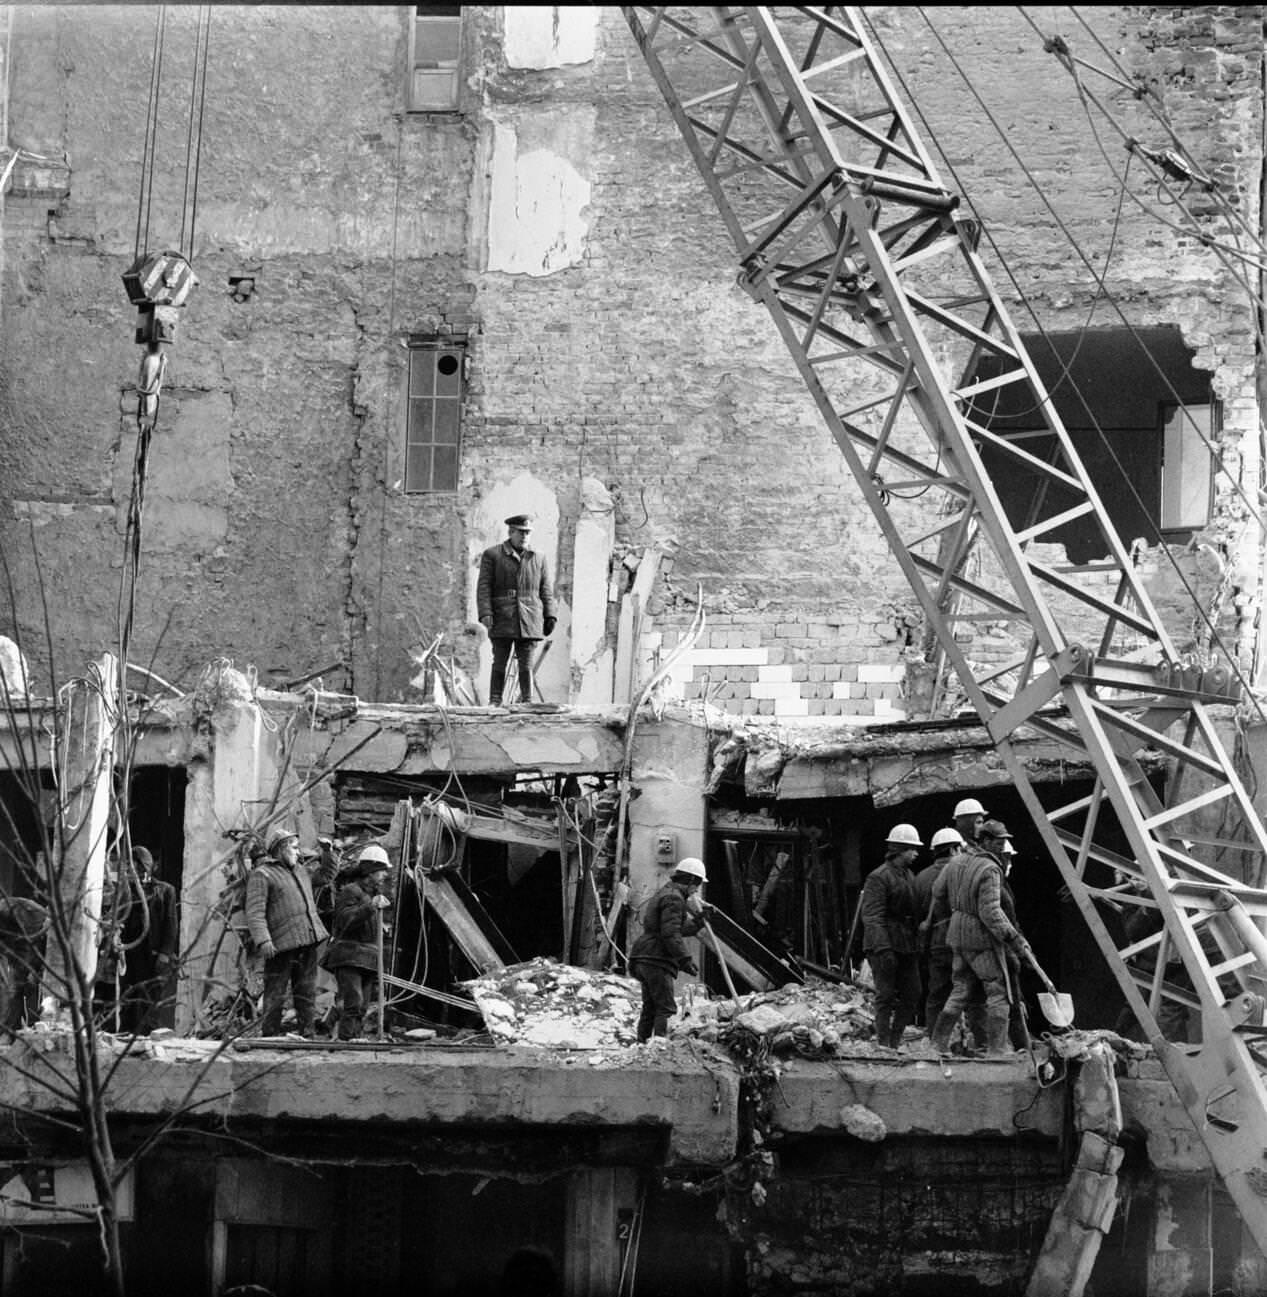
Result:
[
  {"x": 810, "y": 1020},
  {"x": 542, "y": 1002}
]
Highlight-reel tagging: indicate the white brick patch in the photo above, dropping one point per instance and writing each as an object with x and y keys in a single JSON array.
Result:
[
  {"x": 881, "y": 673},
  {"x": 840, "y": 688},
  {"x": 734, "y": 657},
  {"x": 791, "y": 707},
  {"x": 777, "y": 689},
  {"x": 774, "y": 674}
]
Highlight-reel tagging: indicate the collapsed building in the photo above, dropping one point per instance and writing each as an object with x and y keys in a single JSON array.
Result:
[{"x": 483, "y": 279}]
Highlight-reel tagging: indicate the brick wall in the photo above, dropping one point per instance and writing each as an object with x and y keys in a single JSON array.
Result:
[{"x": 639, "y": 362}]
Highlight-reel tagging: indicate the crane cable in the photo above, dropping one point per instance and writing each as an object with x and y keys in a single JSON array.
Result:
[
  {"x": 1215, "y": 638},
  {"x": 154, "y": 362}
]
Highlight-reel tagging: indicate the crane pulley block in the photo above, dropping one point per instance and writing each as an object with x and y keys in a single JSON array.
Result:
[{"x": 159, "y": 279}]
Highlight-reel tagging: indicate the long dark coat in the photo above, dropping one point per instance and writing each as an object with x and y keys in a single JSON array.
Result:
[
  {"x": 665, "y": 921},
  {"x": 355, "y": 940},
  {"x": 889, "y": 918},
  {"x": 515, "y": 591}
]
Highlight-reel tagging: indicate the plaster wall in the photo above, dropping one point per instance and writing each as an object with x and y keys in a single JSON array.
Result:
[{"x": 555, "y": 223}]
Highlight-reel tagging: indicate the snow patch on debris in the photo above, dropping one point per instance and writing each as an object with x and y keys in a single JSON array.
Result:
[{"x": 557, "y": 1006}]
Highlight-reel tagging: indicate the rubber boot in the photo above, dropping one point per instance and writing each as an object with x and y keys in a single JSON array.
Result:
[
  {"x": 942, "y": 1028},
  {"x": 996, "y": 1042},
  {"x": 883, "y": 1026}
]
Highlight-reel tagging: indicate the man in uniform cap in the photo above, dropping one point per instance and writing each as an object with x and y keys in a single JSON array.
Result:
[{"x": 515, "y": 603}]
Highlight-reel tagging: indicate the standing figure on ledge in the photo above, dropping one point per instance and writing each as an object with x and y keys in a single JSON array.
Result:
[{"x": 515, "y": 602}]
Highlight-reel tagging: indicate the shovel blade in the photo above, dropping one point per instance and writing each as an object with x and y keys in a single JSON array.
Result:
[{"x": 1057, "y": 1007}]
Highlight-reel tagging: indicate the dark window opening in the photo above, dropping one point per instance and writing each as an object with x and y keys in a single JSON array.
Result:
[
  {"x": 435, "y": 46},
  {"x": 433, "y": 433},
  {"x": 1139, "y": 414}
]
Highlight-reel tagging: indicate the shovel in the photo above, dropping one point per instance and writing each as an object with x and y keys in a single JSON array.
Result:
[{"x": 1057, "y": 1006}]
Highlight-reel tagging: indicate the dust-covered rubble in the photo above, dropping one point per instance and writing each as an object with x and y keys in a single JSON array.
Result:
[{"x": 558, "y": 1006}]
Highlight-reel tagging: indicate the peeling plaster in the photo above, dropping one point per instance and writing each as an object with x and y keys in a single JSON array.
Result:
[
  {"x": 538, "y": 196},
  {"x": 549, "y": 36}
]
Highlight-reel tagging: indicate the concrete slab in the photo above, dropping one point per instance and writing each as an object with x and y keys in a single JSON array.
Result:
[{"x": 683, "y": 1088}]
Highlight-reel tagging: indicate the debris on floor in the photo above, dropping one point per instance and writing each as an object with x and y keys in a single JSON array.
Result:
[
  {"x": 811, "y": 1020},
  {"x": 545, "y": 1003}
]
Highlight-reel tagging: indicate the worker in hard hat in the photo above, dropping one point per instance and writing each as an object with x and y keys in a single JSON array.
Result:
[
  {"x": 934, "y": 952},
  {"x": 981, "y": 936},
  {"x": 286, "y": 930},
  {"x": 659, "y": 954},
  {"x": 354, "y": 949},
  {"x": 935, "y": 929},
  {"x": 889, "y": 924},
  {"x": 968, "y": 817}
]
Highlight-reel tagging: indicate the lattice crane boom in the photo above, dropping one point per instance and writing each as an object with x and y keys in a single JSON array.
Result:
[{"x": 849, "y": 237}]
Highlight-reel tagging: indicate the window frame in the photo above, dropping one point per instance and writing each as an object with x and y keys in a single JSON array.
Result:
[
  {"x": 438, "y": 347},
  {"x": 412, "y": 104},
  {"x": 1207, "y": 442}
]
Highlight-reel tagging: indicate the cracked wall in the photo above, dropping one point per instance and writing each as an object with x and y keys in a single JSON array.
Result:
[{"x": 556, "y": 223}]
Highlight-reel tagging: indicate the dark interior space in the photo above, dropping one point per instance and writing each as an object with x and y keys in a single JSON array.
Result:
[
  {"x": 1109, "y": 388},
  {"x": 20, "y": 836},
  {"x": 156, "y": 817},
  {"x": 848, "y": 834}
]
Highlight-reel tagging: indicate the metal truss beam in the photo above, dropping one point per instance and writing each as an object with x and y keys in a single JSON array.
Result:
[{"x": 844, "y": 230}]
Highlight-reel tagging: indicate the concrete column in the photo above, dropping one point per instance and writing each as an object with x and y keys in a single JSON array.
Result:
[
  {"x": 592, "y": 656},
  {"x": 598, "y": 1229},
  {"x": 670, "y": 770},
  {"x": 1181, "y": 1260},
  {"x": 87, "y": 761},
  {"x": 226, "y": 790}
]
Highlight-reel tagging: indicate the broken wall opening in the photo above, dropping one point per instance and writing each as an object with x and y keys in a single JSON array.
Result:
[{"x": 1141, "y": 418}]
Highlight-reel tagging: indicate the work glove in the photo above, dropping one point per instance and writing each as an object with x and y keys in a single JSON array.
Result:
[
  {"x": 268, "y": 951},
  {"x": 690, "y": 968},
  {"x": 550, "y": 624},
  {"x": 380, "y": 902},
  {"x": 695, "y": 905}
]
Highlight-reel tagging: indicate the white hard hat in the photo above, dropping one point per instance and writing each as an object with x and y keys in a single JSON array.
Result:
[
  {"x": 946, "y": 837},
  {"x": 969, "y": 806},
  {"x": 375, "y": 854},
  {"x": 904, "y": 835},
  {"x": 693, "y": 867}
]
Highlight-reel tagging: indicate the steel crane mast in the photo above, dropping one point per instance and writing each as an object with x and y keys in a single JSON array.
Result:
[{"x": 847, "y": 234}]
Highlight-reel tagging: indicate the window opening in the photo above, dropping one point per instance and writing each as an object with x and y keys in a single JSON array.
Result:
[
  {"x": 1141, "y": 417},
  {"x": 433, "y": 438},
  {"x": 435, "y": 44}
]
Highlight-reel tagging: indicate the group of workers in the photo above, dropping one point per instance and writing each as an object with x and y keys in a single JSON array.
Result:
[
  {"x": 286, "y": 930},
  {"x": 947, "y": 935}
]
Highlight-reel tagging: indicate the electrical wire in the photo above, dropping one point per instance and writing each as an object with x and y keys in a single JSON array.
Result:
[{"x": 1215, "y": 637}]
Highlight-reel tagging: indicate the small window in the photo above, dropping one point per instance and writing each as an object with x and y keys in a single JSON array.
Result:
[
  {"x": 435, "y": 44},
  {"x": 433, "y": 437}
]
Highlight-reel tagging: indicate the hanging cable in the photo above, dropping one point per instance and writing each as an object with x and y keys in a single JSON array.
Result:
[
  {"x": 1215, "y": 638},
  {"x": 146, "y": 188}
]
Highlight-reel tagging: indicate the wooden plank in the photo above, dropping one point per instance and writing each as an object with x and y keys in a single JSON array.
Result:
[
  {"x": 468, "y": 923},
  {"x": 759, "y": 966}
]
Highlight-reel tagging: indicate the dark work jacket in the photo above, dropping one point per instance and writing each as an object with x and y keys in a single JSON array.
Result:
[
  {"x": 977, "y": 920},
  {"x": 665, "y": 921},
  {"x": 889, "y": 917},
  {"x": 514, "y": 590},
  {"x": 354, "y": 942}
]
